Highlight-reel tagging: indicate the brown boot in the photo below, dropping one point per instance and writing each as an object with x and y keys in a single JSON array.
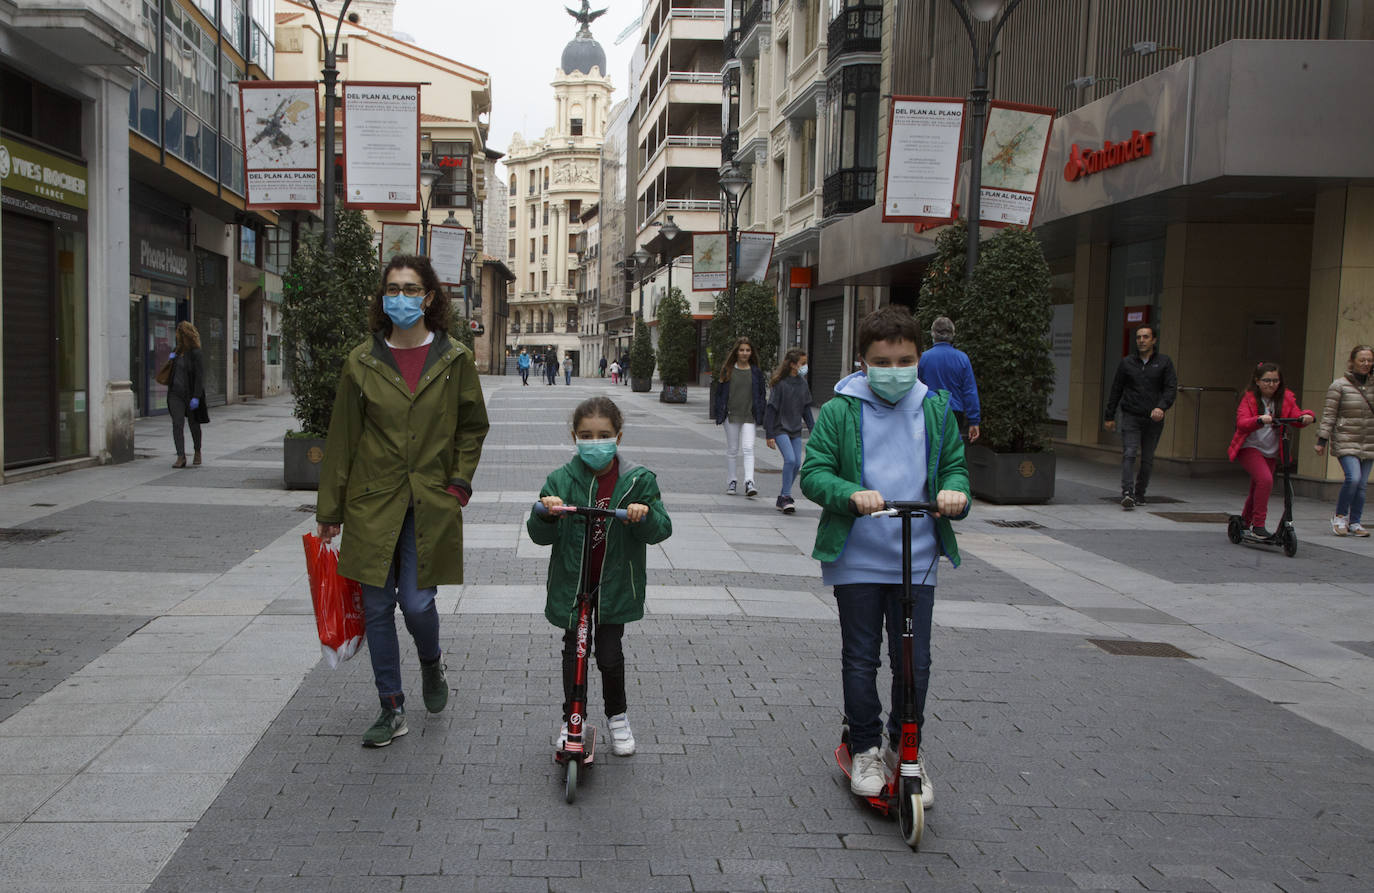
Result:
[
  {"x": 196, "y": 459},
  {"x": 180, "y": 462}
]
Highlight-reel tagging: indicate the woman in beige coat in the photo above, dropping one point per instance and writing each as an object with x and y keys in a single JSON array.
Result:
[{"x": 1348, "y": 426}]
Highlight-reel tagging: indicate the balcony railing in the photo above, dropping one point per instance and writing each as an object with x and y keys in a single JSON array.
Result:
[
  {"x": 695, "y": 77},
  {"x": 696, "y": 12},
  {"x": 859, "y": 29},
  {"x": 731, "y": 43},
  {"x": 760, "y": 11},
  {"x": 729, "y": 145},
  {"x": 849, "y": 190}
]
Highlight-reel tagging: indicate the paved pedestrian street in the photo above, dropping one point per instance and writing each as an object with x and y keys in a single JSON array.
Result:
[{"x": 166, "y": 722}]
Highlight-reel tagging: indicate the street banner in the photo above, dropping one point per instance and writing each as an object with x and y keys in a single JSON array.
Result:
[
  {"x": 709, "y": 256},
  {"x": 446, "y": 246},
  {"x": 925, "y": 137},
  {"x": 399, "y": 238},
  {"x": 755, "y": 255},
  {"x": 1014, "y": 147},
  {"x": 381, "y": 124},
  {"x": 281, "y": 150}
]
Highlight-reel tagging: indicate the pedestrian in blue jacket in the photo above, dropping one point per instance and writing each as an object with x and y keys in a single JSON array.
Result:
[{"x": 945, "y": 367}]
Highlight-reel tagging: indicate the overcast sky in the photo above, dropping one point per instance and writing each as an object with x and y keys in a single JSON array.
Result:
[{"x": 519, "y": 43}]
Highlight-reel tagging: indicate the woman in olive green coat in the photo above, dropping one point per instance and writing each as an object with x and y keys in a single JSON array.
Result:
[{"x": 404, "y": 441}]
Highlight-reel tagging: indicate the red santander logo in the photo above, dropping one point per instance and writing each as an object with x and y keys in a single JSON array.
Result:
[{"x": 1091, "y": 161}]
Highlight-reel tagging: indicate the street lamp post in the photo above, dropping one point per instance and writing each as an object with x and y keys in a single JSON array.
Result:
[
  {"x": 669, "y": 230},
  {"x": 331, "y": 78},
  {"x": 983, "y": 11},
  {"x": 469, "y": 253},
  {"x": 429, "y": 175},
  {"x": 642, "y": 259},
  {"x": 734, "y": 184}
]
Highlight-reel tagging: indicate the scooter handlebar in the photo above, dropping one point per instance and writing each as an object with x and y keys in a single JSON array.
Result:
[
  {"x": 896, "y": 508},
  {"x": 1299, "y": 422},
  {"x": 584, "y": 510}
]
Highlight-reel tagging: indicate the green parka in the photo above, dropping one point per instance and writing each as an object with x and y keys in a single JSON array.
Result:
[
  {"x": 388, "y": 447},
  {"x": 623, "y": 578}
]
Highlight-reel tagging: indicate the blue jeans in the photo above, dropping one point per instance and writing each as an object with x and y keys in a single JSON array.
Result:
[
  {"x": 1139, "y": 437},
  {"x": 863, "y": 608},
  {"x": 379, "y": 614},
  {"x": 791, "y": 449},
  {"x": 1351, "y": 499}
]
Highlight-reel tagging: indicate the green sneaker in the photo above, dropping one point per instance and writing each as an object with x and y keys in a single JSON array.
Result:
[
  {"x": 390, "y": 724},
  {"x": 434, "y": 686}
]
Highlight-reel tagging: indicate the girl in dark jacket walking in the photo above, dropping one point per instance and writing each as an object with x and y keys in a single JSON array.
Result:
[
  {"x": 598, "y": 478},
  {"x": 186, "y": 392},
  {"x": 740, "y": 410},
  {"x": 789, "y": 407}
]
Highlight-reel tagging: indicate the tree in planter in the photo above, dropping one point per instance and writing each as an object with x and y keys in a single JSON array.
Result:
[
  {"x": 675, "y": 338},
  {"x": 324, "y": 315},
  {"x": 641, "y": 355},
  {"x": 943, "y": 289},
  {"x": 1004, "y": 327},
  {"x": 753, "y": 316}
]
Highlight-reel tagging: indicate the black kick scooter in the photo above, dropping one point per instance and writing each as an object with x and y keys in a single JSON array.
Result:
[{"x": 1284, "y": 534}]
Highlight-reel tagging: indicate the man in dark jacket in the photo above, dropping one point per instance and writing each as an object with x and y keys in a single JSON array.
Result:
[{"x": 1144, "y": 387}]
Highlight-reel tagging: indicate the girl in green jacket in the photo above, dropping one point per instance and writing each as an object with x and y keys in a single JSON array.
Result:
[{"x": 597, "y": 477}]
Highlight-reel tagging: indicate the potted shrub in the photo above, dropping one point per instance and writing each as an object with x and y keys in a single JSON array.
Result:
[
  {"x": 641, "y": 359},
  {"x": 676, "y": 335},
  {"x": 1003, "y": 320},
  {"x": 324, "y": 316}
]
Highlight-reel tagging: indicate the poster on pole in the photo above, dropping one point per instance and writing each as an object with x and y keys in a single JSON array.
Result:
[
  {"x": 709, "y": 256},
  {"x": 446, "y": 247},
  {"x": 381, "y": 125},
  {"x": 399, "y": 238},
  {"x": 1014, "y": 147},
  {"x": 755, "y": 255},
  {"x": 281, "y": 160},
  {"x": 925, "y": 137}
]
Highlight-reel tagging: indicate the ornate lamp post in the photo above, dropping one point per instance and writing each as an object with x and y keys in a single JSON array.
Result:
[
  {"x": 469, "y": 253},
  {"x": 669, "y": 231},
  {"x": 331, "y": 78},
  {"x": 983, "y": 11},
  {"x": 642, "y": 259},
  {"x": 429, "y": 175},
  {"x": 734, "y": 184}
]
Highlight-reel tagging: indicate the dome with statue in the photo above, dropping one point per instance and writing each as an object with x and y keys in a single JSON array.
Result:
[{"x": 583, "y": 53}]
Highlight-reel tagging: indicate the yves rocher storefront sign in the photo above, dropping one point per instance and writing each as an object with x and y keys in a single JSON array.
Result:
[{"x": 1083, "y": 162}]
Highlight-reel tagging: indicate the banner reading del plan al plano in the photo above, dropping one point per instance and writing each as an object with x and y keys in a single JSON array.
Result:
[
  {"x": 280, "y": 149},
  {"x": 382, "y": 146}
]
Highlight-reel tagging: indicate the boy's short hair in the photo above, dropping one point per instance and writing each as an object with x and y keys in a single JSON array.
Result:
[{"x": 892, "y": 322}]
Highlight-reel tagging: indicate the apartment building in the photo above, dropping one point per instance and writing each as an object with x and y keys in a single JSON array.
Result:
[
  {"x": 65, "y": 77},
  {"x": 552, "y": 180},
  {"x": 617, "y": 234},
  {"x": 1243, "y": 234}
]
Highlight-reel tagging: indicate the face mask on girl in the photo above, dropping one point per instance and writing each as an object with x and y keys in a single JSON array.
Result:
[
  {"x": 801, "y": 370},
  {"x": 891, "y": 382},
  {"x": 404, "y": 311},
  {"x": 597, "y": 453}
]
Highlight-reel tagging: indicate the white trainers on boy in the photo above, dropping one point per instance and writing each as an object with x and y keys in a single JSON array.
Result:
[
  {"x": 867, "y": 774},
  {"x": 1339, "y": 525},
  {"x": 560, "y": 740},
  {"x": 891, "y": 758},
  {"x": 622, "y": 739},
  {"x": 1357, "y": 529}
]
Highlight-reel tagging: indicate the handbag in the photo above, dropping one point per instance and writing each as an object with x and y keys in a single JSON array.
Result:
[{"x": 164, "y": 372}]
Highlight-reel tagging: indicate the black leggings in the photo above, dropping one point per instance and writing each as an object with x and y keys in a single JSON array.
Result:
[
  {"x": 177, "y": 407},
  {"x": 610, "y": 660}
]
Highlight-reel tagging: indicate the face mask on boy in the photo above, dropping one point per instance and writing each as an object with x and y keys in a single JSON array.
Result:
[{"x": 891, "y": 382}]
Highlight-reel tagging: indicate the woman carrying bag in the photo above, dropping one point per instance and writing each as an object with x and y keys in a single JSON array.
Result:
[
  {"x": 1348, "y": 427},
  {"x": 186, "y": 392}
]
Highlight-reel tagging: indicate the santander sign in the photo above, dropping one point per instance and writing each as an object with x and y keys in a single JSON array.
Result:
[{"x": 1083, "y": 162}]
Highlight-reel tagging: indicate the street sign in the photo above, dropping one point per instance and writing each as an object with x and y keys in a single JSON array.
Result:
[{"x": 476, "y": 327}]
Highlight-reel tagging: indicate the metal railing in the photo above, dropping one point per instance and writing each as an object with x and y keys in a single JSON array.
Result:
[
  {"x": 696, "y": 12},
  {"x": 859, "y": 29},
  {"x": 849, "y": 190},
  {"x": 1197, "y": 406},
  {"x": 759, "y": 12},
  {"x": 731, "y": 43},
  {"x": 696, "y": 77}
]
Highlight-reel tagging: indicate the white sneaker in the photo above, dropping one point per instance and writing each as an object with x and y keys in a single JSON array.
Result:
[
  {"x": 1357, "y": 529},
  {"x": 867, "y": 776},
  {"x": 1339, "y": 526},
  {"x": 891, "y": 759},
  {"x": 622, "y": 739},
  {"x": 560, "y": 740}
]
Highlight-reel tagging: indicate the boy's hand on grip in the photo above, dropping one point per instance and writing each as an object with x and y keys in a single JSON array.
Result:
[
  {"x": 866, "y": 502},
  {"x": 950, "y": 502},
  {"x": 636, "y": 511}
]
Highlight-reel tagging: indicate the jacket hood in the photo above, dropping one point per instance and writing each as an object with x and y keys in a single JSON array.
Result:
[{"x": 856, "y": 385}]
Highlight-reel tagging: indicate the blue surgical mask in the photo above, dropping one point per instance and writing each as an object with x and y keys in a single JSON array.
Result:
[
  {"x": 891, "y": 382},
  {"x": 597, "y": 453},
  {"x": 404, "y": 312},
  {"x": 801, "y": 370}
]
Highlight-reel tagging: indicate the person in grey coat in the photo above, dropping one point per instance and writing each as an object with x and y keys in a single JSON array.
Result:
[{"x": 789, "y": 408}]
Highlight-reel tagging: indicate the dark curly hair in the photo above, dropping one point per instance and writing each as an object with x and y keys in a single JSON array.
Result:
[
  {"x": 438, "y": 314},
  {"x": 598, "y": 407}
]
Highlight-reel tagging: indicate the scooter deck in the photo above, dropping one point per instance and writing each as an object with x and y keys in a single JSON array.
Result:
[
  {"x": 881, "y": 802},
  {"x": 588, "y": 753}
]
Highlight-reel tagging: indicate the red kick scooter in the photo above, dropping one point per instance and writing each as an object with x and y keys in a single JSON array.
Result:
[
  {"x": 903, "y": 785},
  {"x": 580, "y": 747}
]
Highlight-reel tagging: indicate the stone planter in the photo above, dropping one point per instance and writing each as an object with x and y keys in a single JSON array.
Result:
[
  {"x": 641, "y": 385},
  {"x": 673, "y": 394},
  {"x": 301, "y": 458},
  {"x": 1010, "y": 478}
]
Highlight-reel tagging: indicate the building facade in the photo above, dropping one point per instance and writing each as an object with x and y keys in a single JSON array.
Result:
[
  {"x": 65, "y": 79},
  {"x": 1243, "y": 234},
  {"x": 551, "y": 181}
]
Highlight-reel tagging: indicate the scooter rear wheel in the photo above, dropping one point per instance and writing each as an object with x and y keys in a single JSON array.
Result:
[
  {"x": 570, "y": 781},
  {"x": 1233, "y": 530},
  {"x": 911, "y": 817},
  {"x": 1290, "y": 541}
]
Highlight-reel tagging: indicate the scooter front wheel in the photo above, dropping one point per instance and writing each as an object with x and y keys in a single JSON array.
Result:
[
  {"x": 1290, "y": 541},
  {"x": 1234, "y": 531},
  {"x": 911, "y": 816},
  {"x": 570, "y": 781}
]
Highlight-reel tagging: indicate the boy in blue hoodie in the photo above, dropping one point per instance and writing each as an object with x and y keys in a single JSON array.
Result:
[{"x": 883, "y": 436}]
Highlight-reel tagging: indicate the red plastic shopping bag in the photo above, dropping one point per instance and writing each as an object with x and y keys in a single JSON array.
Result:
[{"x": 338, "y": 601}]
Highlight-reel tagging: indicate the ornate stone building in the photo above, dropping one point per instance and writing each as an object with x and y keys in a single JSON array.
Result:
[{"x": 552, "y": 180}]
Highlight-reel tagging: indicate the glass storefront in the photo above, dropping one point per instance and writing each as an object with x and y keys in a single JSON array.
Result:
[{"x": 210, "y": 302}]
